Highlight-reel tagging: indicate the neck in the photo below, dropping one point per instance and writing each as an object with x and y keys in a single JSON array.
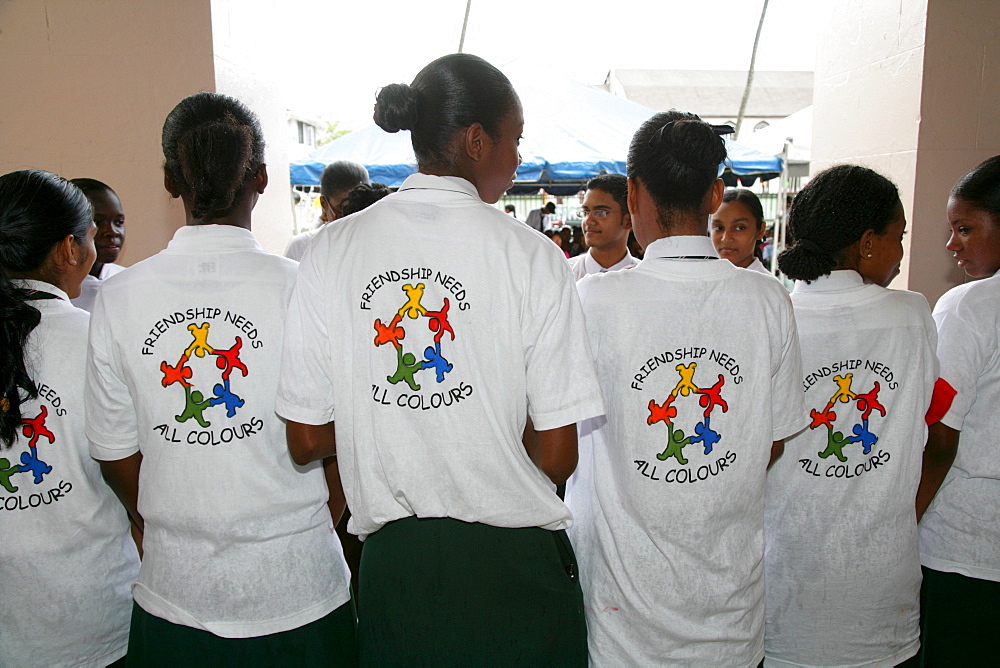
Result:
[
  {"x": 608, "y": 257},
  {"x": 239, "y": 216},
  {"x": 95, "y": 271}
]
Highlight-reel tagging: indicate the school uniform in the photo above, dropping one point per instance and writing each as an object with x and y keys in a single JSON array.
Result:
[
  {"x": 668, "y": 497},
  {"x": 298, "y": 244},
  {"x": 184, "y": 356},
  {"x": 758, "y": 266},
  {"x": 67, "y": 559},
  {"x": 842, "y": 562},
  {"x": 584, "y": 264},
  {"x": 427, "y": 349},
  {"x": 91, "y": 284},
  {"x": 960, "y": 532}
]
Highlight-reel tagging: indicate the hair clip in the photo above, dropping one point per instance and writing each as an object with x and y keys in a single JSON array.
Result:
[
  {"x": 657, "y": 137},
  {"x": 723, "y": 129}
]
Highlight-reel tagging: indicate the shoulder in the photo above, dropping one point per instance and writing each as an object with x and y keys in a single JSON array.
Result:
[{"x": 981, "y": 296}]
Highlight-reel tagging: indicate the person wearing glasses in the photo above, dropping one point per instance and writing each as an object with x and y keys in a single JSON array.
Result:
[{"x": 606, "y": 224}]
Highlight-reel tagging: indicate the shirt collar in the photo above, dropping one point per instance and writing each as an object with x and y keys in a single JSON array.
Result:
[
  {"x": 594, "y": 267},
  {"x": 40, "y": 286},
  {"x": 201, "y": 238},
  {"x": 450, "y": 183},
  {"x": 841, "y": 280},
  {"x": 682, "y": 246}
]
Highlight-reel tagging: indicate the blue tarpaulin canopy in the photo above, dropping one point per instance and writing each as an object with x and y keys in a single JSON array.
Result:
[{"x": 572, "y": 133}]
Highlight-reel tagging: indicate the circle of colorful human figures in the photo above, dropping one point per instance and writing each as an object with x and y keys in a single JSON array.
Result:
[
  {"x": 860, "y": 432},
  {"x": 407, "y": 364},
  {"x": 182, "y": 374},
  {"x": 709, "y": 399}
]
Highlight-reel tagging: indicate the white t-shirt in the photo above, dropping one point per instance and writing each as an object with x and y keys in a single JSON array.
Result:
[
  {"x": 960, "y": 532},
  {"x": 758, "y": 266},
  {"x": 185, "y": 349},
  {"x": 91, "y": 284},
  {"x": 842, "y": 564},
  {"x": 429, "y": 347},
  {"x": 67, "y": 559},
  {"x": 699, "y": 365},
  {"x": 584, "y": 264},
  {"x": 298, "y": 244}
]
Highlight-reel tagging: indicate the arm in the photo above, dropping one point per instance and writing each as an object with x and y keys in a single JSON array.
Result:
[
  {"x": 122, "y": 476},
  {"x": 939, "y": 454},
  {"x": 310, "y": 443},
  {"x": 337, "y": 501},
  {"x": 553, "y": 450},
  {"x": 777, "y": 449}
]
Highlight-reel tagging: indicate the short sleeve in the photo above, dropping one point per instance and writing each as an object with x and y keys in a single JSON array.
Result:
[
  {"x": 788, "y": 411},
  {"x": 305, "y": 383},
  {"x": 111, "y": 422},
  {"x": 560, "y": 378},
  {"x": 963, "y": 349}
]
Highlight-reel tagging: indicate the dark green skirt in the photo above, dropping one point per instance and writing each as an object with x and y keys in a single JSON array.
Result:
[
  {"x": 329, "y": 641},
  {"x": 440, "y": 592},
  {"x": 959, "y": 620}
]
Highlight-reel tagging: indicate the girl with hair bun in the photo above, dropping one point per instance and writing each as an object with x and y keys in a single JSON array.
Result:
[
  {"x": 840, "y": 522},
  {"x": 738, "y": 228},
  {"x": 698, "y": 362},
  {"x": 241, "y": 564},
  {"x": 960, "y": 530},
  {"x": 456, "y": 375},
  {"x": 66, "y": 557}
]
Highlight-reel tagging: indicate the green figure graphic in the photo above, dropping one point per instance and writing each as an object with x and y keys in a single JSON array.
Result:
[
  {"x": 6, "y": 471},
  {"x": 835, "y": 443},
  {"x": 195, "y": 406},
  {"x": 406, "y": 366},
  {"x": 675, "y": 446}
]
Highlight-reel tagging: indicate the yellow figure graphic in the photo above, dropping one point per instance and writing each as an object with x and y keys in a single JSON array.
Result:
[
  {"x": 843, "y": 393},
  {"x": 412, "y": 307},
  {"x": 200, "y": 345},
  {"x": 686, "y": 384}
]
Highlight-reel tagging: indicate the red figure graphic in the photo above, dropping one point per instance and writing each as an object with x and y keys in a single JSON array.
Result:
[
  {"x": 390, "y": 333},
  {"x": 230, "y": 359},
  {"x": 712, "y": 397},
  {"x": 825, "y": 418},
  {"x": 869, "y": 402},
  {"x": 35, "y": 427},
  {"x": 664, "y": 413},
  {"x": 176, "y": 374},
  {"x": 439, "y": 322}
]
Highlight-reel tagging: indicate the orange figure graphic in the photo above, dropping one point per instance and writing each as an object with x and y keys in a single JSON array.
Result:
[
  {"x": 665, "y": 413},
  {"x": 390, "y": 333},
  {"x": 176, "y": 374}
]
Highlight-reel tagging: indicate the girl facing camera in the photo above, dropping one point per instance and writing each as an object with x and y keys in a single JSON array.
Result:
[{"x": 738, "y": 228}]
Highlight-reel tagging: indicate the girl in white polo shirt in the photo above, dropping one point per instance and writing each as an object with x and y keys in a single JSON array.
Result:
[
  {"x": 842, "y": 562},
  {"x": 699, "y": 367},
  {"x": 241, "y": 565},
  {"x": 430, "y": 348},
  {"x": 960, "y": 531},
  {"x": 66, "y": 557}
]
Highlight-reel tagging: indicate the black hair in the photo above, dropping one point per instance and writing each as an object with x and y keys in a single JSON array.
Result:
[
  {"x": 752, "y": 203},
  {"x": 550, "y": 207},
  {"x": 615, "y": 185},
  {"x": 448, "y": 95},
  {"x": 831, "y": 213},
  {"x": 92, "y": 186},
  {"x": 676, "y": 156},
  {"x": 981, "y": 188},
  {"x": 213, "y": 146},
  {"x": 37, "y": 211},
  {"x": 363, "y": 196},
  {"x": 341, "y": 175},
  {"x": 509, "y": 207}
]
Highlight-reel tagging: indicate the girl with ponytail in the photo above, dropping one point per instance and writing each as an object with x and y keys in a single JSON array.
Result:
[
  {"x": 699, "y": 365},
  {"x": 66, "y": 557},
  {"x": 841, "y": 527},
  {"x": 241, "y": 564}
]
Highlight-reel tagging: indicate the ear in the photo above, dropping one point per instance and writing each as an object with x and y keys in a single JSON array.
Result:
[
  {"x": 260, "y": 180},
  {"x": 170, "y": 184},
  {"x": 627, "y": 221},
  {"x": 866, "y": 243},
  {"x": 718, "y": 188},
  {"x": 474, "y": 141},
  {"x": 65, "y": 253},
  {"x": 633, "y": 198}
]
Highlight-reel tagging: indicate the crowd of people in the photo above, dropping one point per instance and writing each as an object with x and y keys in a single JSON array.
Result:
[{"x": 803, "y": 480}]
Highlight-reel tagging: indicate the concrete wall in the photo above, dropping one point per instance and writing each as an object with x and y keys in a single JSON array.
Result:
[
  {"x": 904, "y": 87},
  {"x": 85, "y": 88}
]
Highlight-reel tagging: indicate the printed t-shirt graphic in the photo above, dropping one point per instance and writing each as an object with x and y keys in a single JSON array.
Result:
[{"x": 29, "y": 469}]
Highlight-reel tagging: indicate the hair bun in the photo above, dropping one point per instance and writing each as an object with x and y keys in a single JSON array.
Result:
[
  {"x": 396, "y": 108},
  {"x": 695, "y": 143}
]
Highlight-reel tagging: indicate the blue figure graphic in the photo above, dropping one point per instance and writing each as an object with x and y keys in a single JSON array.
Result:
[
  {"x": 223, "y": 395},
  {"x": 705, "y": 435},
  {"x": 31, "y": 462},
  {"x": 436, "y": 361},
  {"x": 863, "y": 436}
]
